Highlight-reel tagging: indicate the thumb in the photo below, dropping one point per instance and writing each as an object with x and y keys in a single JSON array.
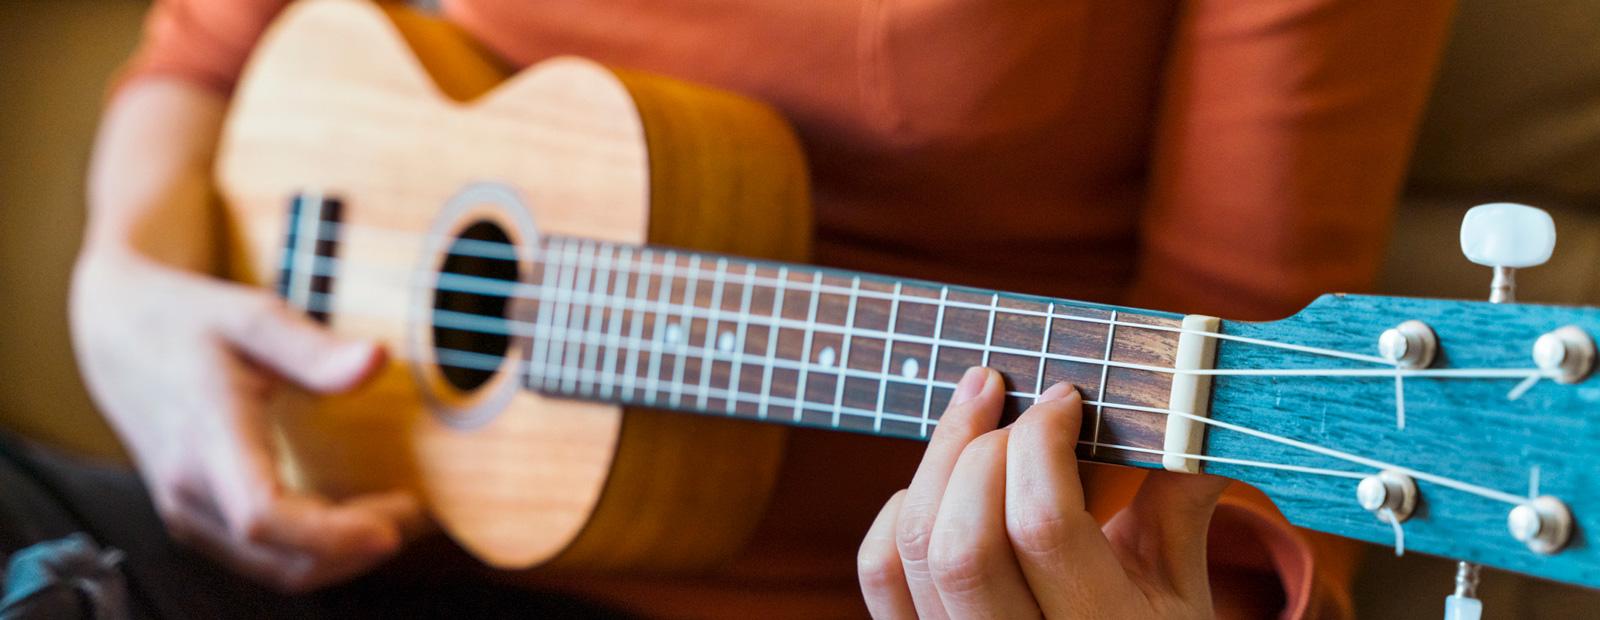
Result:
[
  {"x": 267, "y": 331},
  {"x": 1170, "y": 516}
]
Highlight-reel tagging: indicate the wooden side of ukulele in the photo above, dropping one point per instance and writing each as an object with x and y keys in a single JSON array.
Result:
[{"x": 395, "y": 113}]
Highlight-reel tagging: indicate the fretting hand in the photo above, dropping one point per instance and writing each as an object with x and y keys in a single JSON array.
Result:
[{"x": 994, "y": 525}]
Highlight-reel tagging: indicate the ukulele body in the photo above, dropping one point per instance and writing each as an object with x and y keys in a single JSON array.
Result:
[{"x": 417, "y": 134}]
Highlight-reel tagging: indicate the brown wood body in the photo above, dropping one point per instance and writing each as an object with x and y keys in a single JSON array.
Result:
[{"x": 396, "y": 114}]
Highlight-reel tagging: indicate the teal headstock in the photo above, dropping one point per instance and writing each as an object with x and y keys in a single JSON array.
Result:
[
  {"x": 1480, "y": 438},
  {"x": 1462, "y": 428}
]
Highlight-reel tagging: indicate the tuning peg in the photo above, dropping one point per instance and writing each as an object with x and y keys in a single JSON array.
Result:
[
  {"x": 1464, "y": 603},
  {"x": 1507, "y": 236}
]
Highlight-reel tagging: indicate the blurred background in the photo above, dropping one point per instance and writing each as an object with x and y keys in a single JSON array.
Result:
[{"x": 1515, "y": 116}]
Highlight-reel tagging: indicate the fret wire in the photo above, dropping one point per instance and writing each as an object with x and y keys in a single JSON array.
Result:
[
  {"x": 854, "y": 411},
  {"x": 614, "y": 328},
  {"x": 1044, "y": 349},
  {"x": 561, "y": 334},
  {"x": 772, "y": 343},
  {"x": 541, "y": 347},
  {"x": 686, "y": 330},
  {"x": 844, "y": 353},
  {"x": 691, "y": 311},
  {"x": 988, "y": 334},
  {"x": 568, "y": 309},
  {"x": 563, "y": 296},
  {"x": 586, "y": 257},
  {"x": 912, "y": 338},
  {"x": 1099, "y": 412},
  {"x": 539, "y": 332},
  {"x": 961, "y": 305},
  {"x": 597, "y": 314},
  {"x": 664, "y": 299},
  {"x": 538, "y": 318},
  {"x": 717, "y": 285},
  {"x": 493, "y": 361},
  {"x": 972, "y": 346},
  {"x": 810, "y": 325},
  {"x": 933, "y": 357},
  {"x": 641, "y": 289},
  {"x": 740, "y": 332},
  {"x": 888, "y": 355}
]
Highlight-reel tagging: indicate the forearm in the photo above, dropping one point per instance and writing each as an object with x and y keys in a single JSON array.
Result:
[{"x": 149, "y": 178}]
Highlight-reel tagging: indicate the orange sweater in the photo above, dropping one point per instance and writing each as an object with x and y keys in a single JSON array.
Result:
[{"x": 1228, "y": 157}]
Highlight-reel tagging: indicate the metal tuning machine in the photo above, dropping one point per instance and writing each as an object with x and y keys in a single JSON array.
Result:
[
  {"x": 1505, "y": 237},
  {"x": 1392, "y": 496}
]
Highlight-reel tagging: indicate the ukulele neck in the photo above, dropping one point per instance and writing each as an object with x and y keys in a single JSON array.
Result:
[{"x": 755, "y": 340}]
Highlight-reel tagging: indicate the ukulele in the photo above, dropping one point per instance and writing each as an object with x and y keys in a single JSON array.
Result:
[{"x": 590, "y": 282}]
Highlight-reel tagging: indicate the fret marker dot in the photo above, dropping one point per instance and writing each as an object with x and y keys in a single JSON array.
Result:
[
  {"x": 825, "y": 357},
  {"x": 674, "y": 332},
  {"x": 909, "y": 368},
  {"x": 725, "y": 342}
]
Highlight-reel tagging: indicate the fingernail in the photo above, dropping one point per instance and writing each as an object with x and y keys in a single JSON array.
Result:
[
  {"x": 970, "y": 386},
  {"x": 1057, "y": 392}
]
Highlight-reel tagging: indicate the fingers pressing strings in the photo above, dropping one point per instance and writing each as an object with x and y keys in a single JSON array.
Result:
[
  {"x": 1059, "y": 545},
  {"x": 974, "y": 409}
]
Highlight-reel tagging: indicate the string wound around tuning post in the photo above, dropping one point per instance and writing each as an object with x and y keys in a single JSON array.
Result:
[
  {"x": 1392, "y": 496},
  {"x": 1409, "y": 345}
]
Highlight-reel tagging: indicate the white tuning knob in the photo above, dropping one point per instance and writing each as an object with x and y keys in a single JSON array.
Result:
[
  {"x": 1507, "y": 236},
  {"x": 1504, "y": 234}
]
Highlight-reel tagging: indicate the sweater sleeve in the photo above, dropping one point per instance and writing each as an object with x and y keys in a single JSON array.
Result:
[
  {"x": 205, "y": 42},
  {"x": 1283, "y": 134}
]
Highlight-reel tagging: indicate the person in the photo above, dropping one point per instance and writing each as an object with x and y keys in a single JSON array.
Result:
[{"x": 1231, "y": 158}]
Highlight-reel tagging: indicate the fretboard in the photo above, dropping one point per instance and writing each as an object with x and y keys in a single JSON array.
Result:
[{"x": 801, "y": 345}]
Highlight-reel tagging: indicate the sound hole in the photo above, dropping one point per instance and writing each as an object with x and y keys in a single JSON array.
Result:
[{"x": 471, "y": 332}]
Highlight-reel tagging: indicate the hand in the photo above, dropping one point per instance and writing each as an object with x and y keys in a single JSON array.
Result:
[
  {"x": 183, "y": 367},
  {"x": 994, "y": 525}
]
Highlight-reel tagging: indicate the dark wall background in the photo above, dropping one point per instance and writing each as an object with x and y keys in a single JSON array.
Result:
[{"x": 55, "y": 56}]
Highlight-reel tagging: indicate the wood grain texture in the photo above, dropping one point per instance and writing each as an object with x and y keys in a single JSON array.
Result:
[
  {"x": 335, "y": 100},
  {"x": 1465, "y": 429}
]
